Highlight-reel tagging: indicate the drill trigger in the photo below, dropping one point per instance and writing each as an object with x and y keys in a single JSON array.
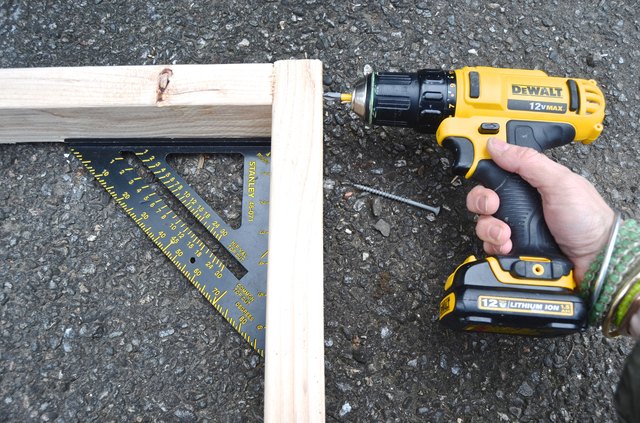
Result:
[{"x": 463, "y": 153}]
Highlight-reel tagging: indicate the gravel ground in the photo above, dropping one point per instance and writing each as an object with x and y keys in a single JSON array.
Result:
[{"x": 98, "y": 326}]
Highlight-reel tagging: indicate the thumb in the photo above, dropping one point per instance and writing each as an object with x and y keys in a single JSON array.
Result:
[{"x": 535, "y": 168}]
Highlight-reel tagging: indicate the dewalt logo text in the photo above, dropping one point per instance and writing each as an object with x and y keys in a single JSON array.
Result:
[{"x": 536, "y": 91}]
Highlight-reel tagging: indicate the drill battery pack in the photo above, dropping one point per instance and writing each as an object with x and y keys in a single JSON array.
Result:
[{"x": 516, "y": 295}]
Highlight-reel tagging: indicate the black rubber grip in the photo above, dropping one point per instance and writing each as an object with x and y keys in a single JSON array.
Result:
[
  {"x": 539, "y": 135},
  {"x": 521, "y": 208},
  {"x": 520, "y": 203}
]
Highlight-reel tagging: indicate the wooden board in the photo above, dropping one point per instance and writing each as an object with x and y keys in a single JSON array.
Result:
[
  {"x": 294, "y": 361},
  {"x": 53, "y": 104}
]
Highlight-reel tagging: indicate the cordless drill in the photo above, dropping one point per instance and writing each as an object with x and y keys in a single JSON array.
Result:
[{"x": 531, "y": 291}]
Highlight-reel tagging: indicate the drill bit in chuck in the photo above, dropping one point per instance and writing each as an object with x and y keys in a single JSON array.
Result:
[{"x": 341, "y": 97}]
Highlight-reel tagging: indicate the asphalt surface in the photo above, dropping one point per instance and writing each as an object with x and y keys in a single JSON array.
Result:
[{"x": 96, "y": 323}]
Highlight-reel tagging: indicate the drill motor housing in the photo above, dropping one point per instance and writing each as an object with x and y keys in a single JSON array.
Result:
[{"x": 530, "y": 291}]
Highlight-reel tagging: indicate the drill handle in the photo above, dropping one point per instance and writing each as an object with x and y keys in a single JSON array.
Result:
[
  {"x": 520, "y": 203},
  {"x": 521, "y": 208}
]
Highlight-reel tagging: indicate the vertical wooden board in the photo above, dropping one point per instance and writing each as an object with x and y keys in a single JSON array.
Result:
[{"x": 294, "y": 365}]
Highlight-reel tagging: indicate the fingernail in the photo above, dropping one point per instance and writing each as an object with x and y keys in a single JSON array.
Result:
[
  {"x": 495, "y": 232},
  {"x": 497, "y": 145},
  {"x": 481, "y": 204}
]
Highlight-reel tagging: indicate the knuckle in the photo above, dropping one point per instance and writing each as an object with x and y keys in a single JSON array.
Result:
[
  {"x": 527, "y": 155},
  {"x": 481, "y": 229}
]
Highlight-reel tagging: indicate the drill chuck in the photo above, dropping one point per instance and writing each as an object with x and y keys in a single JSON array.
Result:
[{"x": 420, "y": 100}]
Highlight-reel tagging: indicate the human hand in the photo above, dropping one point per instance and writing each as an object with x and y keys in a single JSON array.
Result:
[{"x": 577, "y": 216}]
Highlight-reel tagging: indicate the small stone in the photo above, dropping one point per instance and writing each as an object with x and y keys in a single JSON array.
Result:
[
  {"x": 346, "y": 409},
  {"x": 385, "y": 332},
  {"x": 525, "y": 390},
  {"x": 90, "y": 269},
  {"x": 185, "y": 415},
  {"x": 253, "y": 361},
  {"x": 329, "y": 184},
  {"x": 359, "y": 204},
  {"x": 244, "y": 43},
  {"x": 376, "y": 207},
  {"x": 443, "y": 362},
  {"x": 383, "y": 227},
  {"x": 167, "y": 332},
  {"x": 423, "y": 410},
  {"x": 413, "y": 363},
  {"x": 343, "y": 387},
  {"x": 360, "y": 356},
  {"x": 54, "y": 342},
  {"x": 473, "y": 51},
  {"x": 365, "y": 256},
  {"x": 115, "y": 334},
  {"x": 593, "y": 59}
]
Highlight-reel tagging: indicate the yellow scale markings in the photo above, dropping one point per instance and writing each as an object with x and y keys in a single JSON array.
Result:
[
  {"x": 190, "y": 206},
  {"x": 164, "y": 248}
]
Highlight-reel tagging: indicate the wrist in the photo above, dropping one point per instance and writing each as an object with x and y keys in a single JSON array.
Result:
[{"x": 602, "y": 226}]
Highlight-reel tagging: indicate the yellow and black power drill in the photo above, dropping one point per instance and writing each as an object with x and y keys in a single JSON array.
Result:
[{"x": 532, "y": 290}]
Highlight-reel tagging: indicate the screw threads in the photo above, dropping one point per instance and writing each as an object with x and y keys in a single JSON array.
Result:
[{"x": 434, "y": 210}]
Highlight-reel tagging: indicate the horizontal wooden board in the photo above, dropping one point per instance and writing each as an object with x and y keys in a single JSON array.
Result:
[{"x": 53, "y": 104}]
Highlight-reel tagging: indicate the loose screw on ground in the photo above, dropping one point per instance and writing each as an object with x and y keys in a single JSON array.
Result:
[{"x": 434, "y": 210}]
